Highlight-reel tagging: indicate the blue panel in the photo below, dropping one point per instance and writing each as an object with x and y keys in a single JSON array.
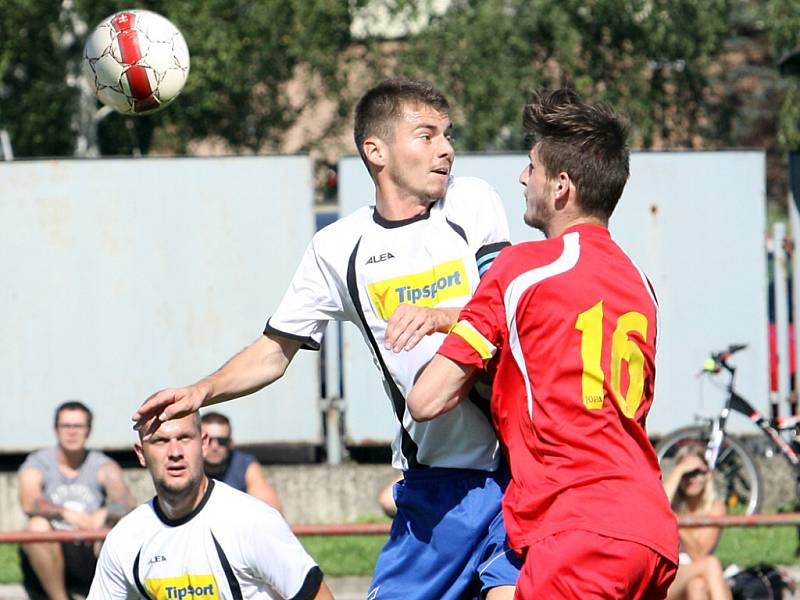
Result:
[{"x": 125, "y": 276}]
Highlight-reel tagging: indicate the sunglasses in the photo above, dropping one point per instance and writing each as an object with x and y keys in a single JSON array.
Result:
[
  {"x": 694, "y": 473},
  {"x": 221, "y": 440},
  {"x": 72, "y": 426}
]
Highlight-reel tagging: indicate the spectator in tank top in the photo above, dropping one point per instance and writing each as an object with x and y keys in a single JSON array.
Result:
[{"x": 68, "y": 487}]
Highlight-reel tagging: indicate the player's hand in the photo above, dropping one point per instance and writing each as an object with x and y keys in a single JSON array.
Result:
[
  {"x": 78, "y": 519},
  {"x": 410, "y": 323},
  {"x": 171, "y": 403},
  {"x": 690, "y": 463}
]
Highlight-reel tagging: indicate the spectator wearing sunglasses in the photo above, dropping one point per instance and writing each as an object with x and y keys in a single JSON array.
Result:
[
  {"x": 238, "y": 469},
  {"x": 690, "y": 488}
]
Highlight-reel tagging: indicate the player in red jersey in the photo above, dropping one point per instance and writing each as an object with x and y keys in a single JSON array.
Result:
[{"x": 569, "y": 324}]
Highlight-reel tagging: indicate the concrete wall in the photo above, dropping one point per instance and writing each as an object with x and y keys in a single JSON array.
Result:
[
  {"x": 345, "y": 493},
  {"x": 310, "y": 493}
]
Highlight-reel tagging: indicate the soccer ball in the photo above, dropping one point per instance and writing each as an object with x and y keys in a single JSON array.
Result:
[{"x": 136, "y": 61}]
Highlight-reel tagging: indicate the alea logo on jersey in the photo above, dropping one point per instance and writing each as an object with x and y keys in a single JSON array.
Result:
[
  {"x": 379, "y": 258},
  {"x": 443, "y": 282},
  {"x": 186, "y": 587}
]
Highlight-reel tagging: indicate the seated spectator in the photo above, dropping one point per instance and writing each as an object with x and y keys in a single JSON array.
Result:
[
  {"x": 238, "y": 469},
  {"x": 68, "y": 487},
  {"x": 690, "y": 488},
  {"x": 198, "y": 538}
]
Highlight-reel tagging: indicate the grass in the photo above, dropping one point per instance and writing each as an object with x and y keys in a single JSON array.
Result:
[
  {"x": 9, "y": 564},
  {"x": 337, "y": 556},
  {"x": 355, "y": 555},
  {"x": 344, "y": 555},
  {"x": 746, "y": 546}
]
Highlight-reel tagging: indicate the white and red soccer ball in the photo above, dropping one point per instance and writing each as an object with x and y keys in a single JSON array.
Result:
[{"x": 136, "y": 61}]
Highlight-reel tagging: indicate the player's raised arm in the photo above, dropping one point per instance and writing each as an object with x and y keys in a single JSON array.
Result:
[
  {"x": 439, "y": 389},
  {"x": 255, "y": 367}
]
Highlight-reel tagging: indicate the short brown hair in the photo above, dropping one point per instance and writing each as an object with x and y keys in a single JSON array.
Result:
[
  {"x": 382, "y": 105},
  {"x": 73, "y": 405},
  {"x": 587, "y": 141},
  {"x": 215, "y": 418}
]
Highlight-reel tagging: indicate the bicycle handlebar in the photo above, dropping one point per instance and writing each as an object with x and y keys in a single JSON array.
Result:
[{"x": 718, "y": 360}]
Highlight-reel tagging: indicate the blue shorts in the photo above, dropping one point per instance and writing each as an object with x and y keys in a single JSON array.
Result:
[{"x": 448, "y": 540}]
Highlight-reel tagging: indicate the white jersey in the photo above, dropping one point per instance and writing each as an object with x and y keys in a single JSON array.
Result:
[
  {"x": 231, "y": 547},
  {"x": 361, "y": 267}
]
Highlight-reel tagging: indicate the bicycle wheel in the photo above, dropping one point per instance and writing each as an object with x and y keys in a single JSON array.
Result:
[{"x": 736, "y": 477}]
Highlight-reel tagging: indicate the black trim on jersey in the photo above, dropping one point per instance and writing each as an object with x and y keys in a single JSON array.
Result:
[
  {"x": 136, "y": 580},
  {"x": 387, "y": 224},
  {"x": 489, "y": 248},
  {"x": 308, "y": 343},
  {"x": 311, "y": 585},
  {"x": 458, "y": 229},
  {"x": 482, "y": 403},
  {"x": 233, "y": 583},
  {"x": 408, "y": 445},
  {"x": 185, "y": 519}
]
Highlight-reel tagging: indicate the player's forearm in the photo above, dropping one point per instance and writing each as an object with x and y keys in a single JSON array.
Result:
[
  {"x": 671, "y": 484},
  {"x": 252, "y": 369},
  {"x": 439, "y": 389},
  {"x": 324, "y": 592},
  {"x": 447, "y": 318},
  {"x": 41, "y": 507}
]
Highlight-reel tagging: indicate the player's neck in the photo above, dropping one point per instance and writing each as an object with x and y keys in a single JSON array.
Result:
[
  {"x": 70, "y": 459},
  {"x": 394, "y": 205},
  {"x": 178, "y": 506},
  {"x": 694, "y": 503},
  {"x": 217, "y": 469},
  {"x": 559, "y": 226}
]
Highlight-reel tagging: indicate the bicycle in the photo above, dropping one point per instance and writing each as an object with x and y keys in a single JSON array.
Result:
[{"x": 736, "y": 474}]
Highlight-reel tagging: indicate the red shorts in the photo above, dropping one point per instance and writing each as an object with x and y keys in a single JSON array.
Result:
[{"x": 583, "y": 564}]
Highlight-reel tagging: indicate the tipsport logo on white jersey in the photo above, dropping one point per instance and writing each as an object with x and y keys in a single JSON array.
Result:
[
  {"x": 443, "y": 282},
  {"x": 186, "y": 587}
]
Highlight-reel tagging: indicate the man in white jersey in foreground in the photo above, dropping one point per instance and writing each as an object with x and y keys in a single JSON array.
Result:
[
  {"x": 199, "y": 537},
  {"x": 400, "y": 270}
]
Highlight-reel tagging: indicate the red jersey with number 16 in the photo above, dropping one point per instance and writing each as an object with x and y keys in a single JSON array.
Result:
[{"x": 573, "y": 324}]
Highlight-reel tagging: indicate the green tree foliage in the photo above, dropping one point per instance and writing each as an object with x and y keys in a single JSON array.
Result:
[
  {"x": 35, "y": 104},
  {"x": 783, "y": 17},
  {"x": 649, "y": 58},
  {"x": 243, "y": 55},
  {"x": 660, "y": 62}
]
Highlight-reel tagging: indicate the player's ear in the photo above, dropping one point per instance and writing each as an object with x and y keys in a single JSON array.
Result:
[
  {"x": 374, "y": 151},
  {"x": 562, "y": 187},
  {"x": 137, "y": 448}
]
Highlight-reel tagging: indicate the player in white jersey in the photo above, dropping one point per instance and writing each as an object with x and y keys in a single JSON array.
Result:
[
  {"x": 198, "y": 538},
  {"x": 400, "y": 270},
  {"x": 363, "y": 267}
]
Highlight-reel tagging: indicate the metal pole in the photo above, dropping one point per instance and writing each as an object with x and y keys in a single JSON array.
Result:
[
  {"x": 794, "y": 215},
  {"x": 5, "y": 145},
  {"x": 780, "y": 281},
  {"x": 332, "y": 404}
]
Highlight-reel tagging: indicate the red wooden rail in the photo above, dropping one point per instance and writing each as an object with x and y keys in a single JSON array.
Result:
[
  {"x": 21, "y": 537},
  {"x": 741, "y": 520}
]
